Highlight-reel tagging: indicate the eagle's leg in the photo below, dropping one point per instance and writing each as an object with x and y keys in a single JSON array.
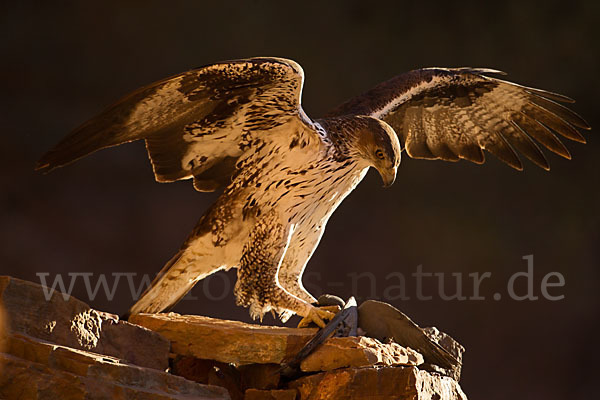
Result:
[
  {"x": 292, "y": 284},
  {"x": 290, "y": 281},
  {"x": 303, "y": 244},
  {"x": 257, "y": 286}
]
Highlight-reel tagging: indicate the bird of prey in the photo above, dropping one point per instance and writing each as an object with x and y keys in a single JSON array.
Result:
[{"x": 239, "y": 125}]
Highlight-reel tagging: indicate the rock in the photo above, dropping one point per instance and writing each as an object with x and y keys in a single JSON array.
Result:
[
  {"x": 383, "y": 321},
  {"x": 70, "y": 322},
  {"x": 236, "y": 380},
  {"x": 260, "y": 376},
  {"x": 358, "y": 352},
  {"x": 285, "y": 394},
  {"x": 380, "y": 383},
  {"x": 228, "y": 377},
  {"x": 226, "y": 341},
  {"x": 61, "y": 348},
  {"x": 38, "y": 369},
  {"x": 446, "y": 341},
  {"x": 193, "y": 368},
  {"x": 3, "y": 334},
  {"x": 450, "y": 345}
]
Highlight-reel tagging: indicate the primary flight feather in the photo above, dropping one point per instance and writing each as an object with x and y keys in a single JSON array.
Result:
[{"x": 239, "y": 125}]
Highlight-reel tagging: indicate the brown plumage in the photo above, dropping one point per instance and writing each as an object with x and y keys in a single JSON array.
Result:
[
  {"x": 455, "y": 113},
  {"x": 239, "y": 125}
]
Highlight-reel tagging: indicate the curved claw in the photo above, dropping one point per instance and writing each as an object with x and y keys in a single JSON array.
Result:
[{"x": 317, "y": 315}]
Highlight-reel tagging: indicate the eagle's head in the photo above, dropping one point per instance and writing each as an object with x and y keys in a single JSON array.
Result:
[
  {"x": 376, "y": 142},
  {"x": 370, "y": 141}
]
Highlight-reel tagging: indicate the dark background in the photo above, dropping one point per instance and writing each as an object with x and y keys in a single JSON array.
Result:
[{"x": 62, "y": 63}]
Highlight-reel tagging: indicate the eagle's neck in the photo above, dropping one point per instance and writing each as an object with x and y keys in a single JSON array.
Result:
[{"x": 341, "y": 133}]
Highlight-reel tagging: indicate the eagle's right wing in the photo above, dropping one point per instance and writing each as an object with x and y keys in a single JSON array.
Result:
[
  {"x": 198, "y": 123},
  {"x": 456, "y": 113}
]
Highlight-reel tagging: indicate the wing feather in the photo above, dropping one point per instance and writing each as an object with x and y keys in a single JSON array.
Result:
[
  {"x": 417, "y": 144},
  {"x": 196, "y": 124},
  {"x": 541, "y": 133},
  {"x": 455, "y": 113}
]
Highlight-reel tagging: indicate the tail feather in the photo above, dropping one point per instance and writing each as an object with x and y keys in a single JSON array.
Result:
[{"x": 172, "y": 283}]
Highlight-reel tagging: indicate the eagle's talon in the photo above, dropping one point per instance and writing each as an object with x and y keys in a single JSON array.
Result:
[{"x": 317, "y": 315}]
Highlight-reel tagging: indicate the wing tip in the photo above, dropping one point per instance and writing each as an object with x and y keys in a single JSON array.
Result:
[
  {"x": 41, "y": 166},
  {"x": 44, "y": 165},
  {"x": 487, "y": 71},
  {"x": 545, "y": 166},
  {"x": 584, "y": 124}
]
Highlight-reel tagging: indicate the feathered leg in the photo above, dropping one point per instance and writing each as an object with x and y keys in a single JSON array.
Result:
[
  {"x": 295, "y": 260},
  {"x": 257, "y": 286}
]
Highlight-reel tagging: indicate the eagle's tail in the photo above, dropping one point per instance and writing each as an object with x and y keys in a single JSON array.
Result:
[{"x": 172, "y": 283}]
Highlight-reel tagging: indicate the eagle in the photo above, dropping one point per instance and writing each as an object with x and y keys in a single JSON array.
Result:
[{"x": 238, "y": 126}]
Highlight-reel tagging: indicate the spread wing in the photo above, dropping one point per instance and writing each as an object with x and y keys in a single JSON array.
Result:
[
  {"x": 456, "y": 113},
  {"x": 198, "y": 123}
]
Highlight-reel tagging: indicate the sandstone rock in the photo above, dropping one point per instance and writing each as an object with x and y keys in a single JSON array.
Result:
[
  {"x": 2, "y": 333},
  {"x": 446, "y": 341},
  {"x": 235, "y": 380},
  {"x": 452, "y": 346},
  {"x": 73, "y": 323},
  {"x": 193, "y": 368},
  {"x": 285, "y": 394},
  {"x": 358, "y": 352},
  {"x": 52, "y": 349},
  {"x": 228, "y": 377},
  {"x": 226, "y": 341},
  {"x": 380, "y": 383},
  {"x": 383, "y": 321},
  {"x": 36, "y": 369},
  {"x": 260, "y": 376}
]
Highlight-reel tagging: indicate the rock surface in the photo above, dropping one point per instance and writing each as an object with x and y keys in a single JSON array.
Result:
[
  {"x": 55, "y": 347},
  {"x": 30, "y": 309},
  {"x": 452, "y": 346},
  {"x": 3, "y": 334},
  {"x": 285, "y": 394},
  {"x": 358, "y": 352},
  {"x": 35, "y": 369},
  {"x": 382, "y": 383},
  {"x": 226, "y": 341}
]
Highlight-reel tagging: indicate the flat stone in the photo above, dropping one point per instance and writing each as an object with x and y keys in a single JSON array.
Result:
[
  {"x": 226, "y": 341},
  {"x": 381, "y": 383},
  {"x": 31, "y": 309},
  {"x": 358, "y": 351},
  {"x": 283, "y": 394},
  {"x": 37, "y": 369}
]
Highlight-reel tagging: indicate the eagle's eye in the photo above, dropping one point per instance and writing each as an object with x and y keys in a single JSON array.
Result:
[{"x": 379, "y": 154}]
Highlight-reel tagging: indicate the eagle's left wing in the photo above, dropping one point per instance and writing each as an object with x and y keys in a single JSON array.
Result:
[
  {"x": 456, "y": 113},
  {"x": 199, "y": 123}
]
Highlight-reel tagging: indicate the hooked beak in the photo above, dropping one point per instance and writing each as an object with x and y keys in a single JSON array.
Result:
[{"x": 388, "y": 176}]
